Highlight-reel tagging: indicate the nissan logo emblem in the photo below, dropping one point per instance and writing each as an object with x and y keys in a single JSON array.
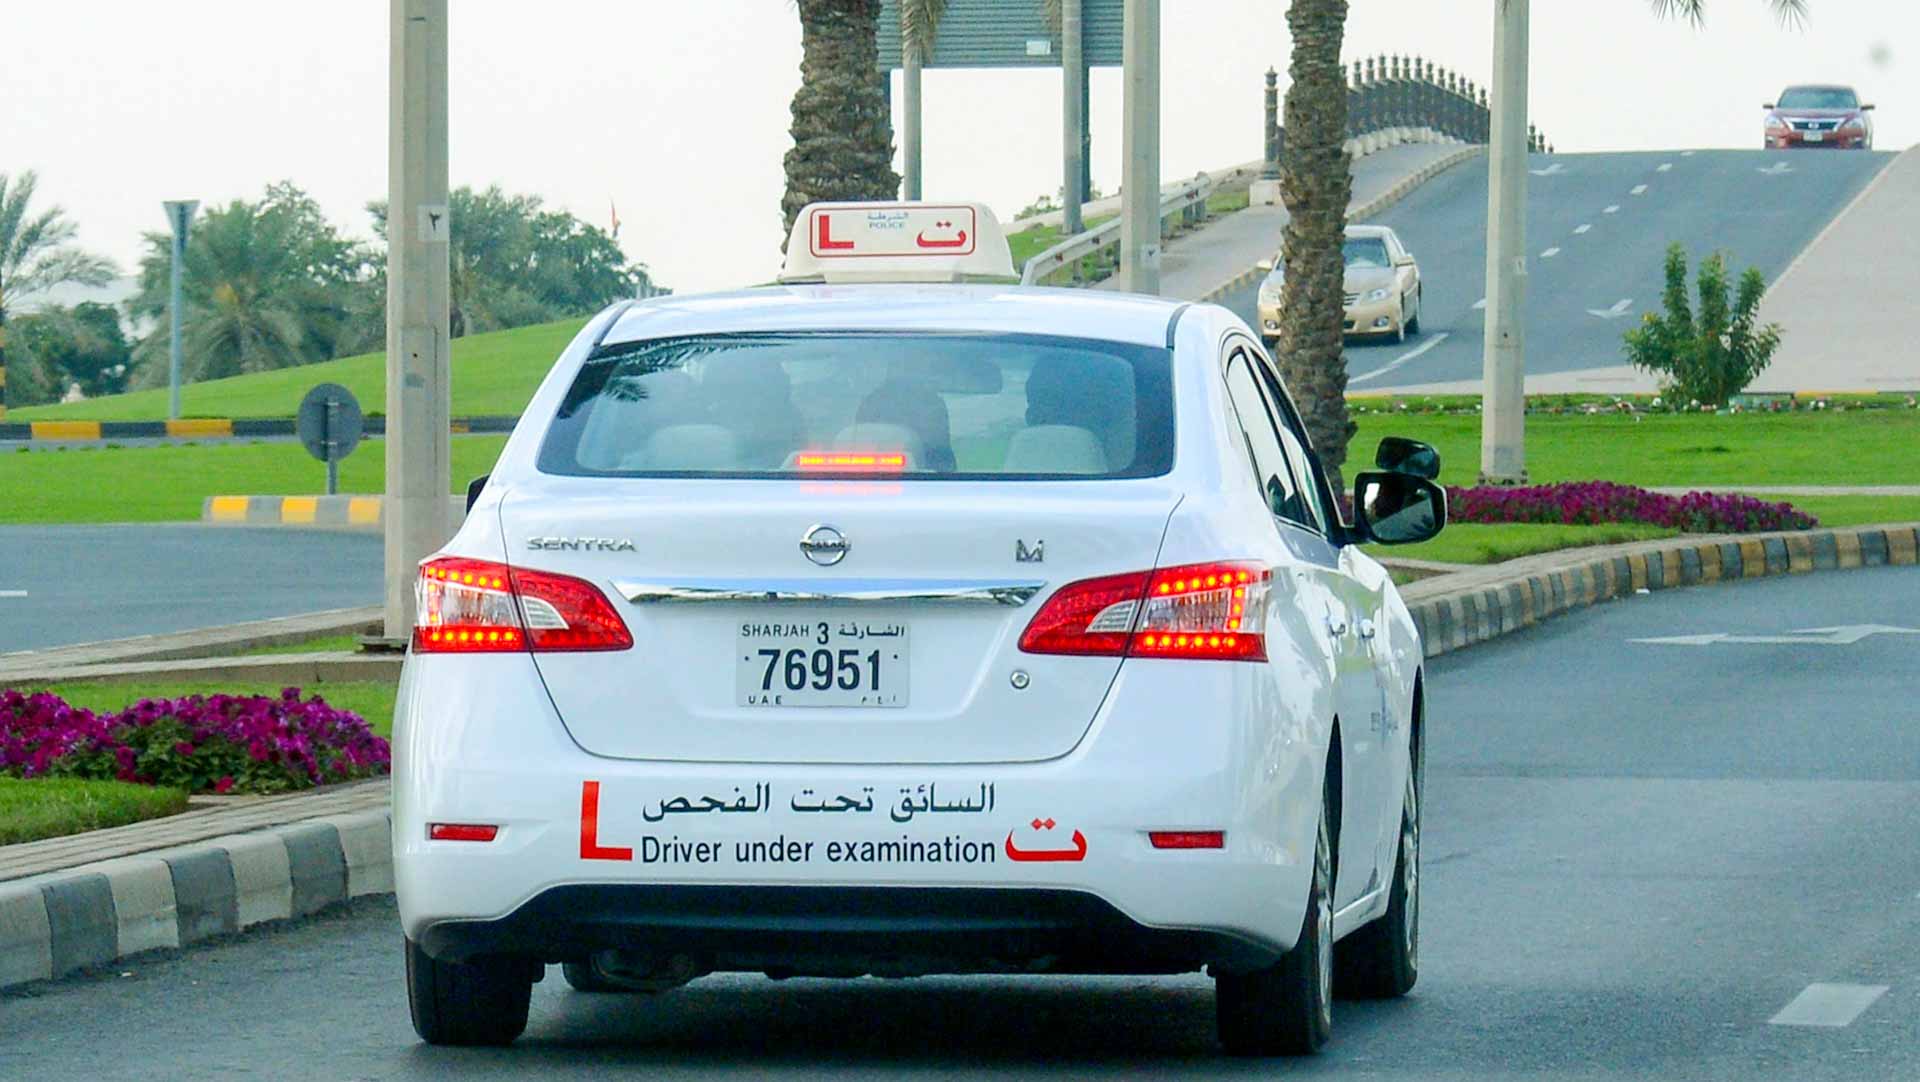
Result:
[{"x": 824, "y": 545}]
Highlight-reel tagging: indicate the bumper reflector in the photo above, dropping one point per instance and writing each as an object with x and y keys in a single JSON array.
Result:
[
  {"x": 1188, "y": 839},
  {"x": 461, "y": 832}
]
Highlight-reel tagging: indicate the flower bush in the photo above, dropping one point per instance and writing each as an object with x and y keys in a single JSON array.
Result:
[
  {"x": 202, "y": 744},
  {"x": 1591, "y": 503}
]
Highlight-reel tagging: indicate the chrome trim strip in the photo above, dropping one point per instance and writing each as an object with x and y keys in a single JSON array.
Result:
[{"x": 867, "y": 591}]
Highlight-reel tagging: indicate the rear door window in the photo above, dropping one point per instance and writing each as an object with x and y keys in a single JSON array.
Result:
[
  {"x": 928, "y": 406},
  {"x": 1274, "y": 473}
]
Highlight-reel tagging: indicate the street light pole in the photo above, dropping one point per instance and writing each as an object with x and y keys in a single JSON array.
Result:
[
  {"x": 1140, "y": 182},
  {"x": 1503, "y": 421},
  {"x": 1073, "y": 80},
  {"x": 179, "y": 216},
  {"x": 419, "y": 402},
  {"x": 910, "y": 64}
]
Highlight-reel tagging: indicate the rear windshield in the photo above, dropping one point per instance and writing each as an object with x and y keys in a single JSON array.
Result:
[
  {"x": 927, "y": 406},
  {"x": 1817, "y": 97}
]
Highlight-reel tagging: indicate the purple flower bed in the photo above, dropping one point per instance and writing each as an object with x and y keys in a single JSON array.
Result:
[
  {"x": 203, "y": 744},
  {"x": 1591, "y": 503}
]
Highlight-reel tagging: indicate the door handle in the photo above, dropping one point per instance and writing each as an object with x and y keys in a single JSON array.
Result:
[
  {"x": 1366, "y": 629},
  {"x": 1336, "y": 625}
]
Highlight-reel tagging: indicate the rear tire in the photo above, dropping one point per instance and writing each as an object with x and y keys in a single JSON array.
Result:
[
  {"x": 582, "y": 977},
  {"x": 1381, "y": 959},
  {"x": 482, "y": 1002},
  {"x": 1413, "y": 325},
  {"x": 1286, "y": 1009}
]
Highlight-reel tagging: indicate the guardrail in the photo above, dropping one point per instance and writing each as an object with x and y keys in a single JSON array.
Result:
[{"x": 1185, "y": 205}]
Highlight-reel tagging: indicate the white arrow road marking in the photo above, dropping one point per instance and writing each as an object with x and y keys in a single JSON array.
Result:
[
  {"x": 1774, "y": 170},
  {"x": 1579, "y": 229},
  {"x": 1402, "y": 359},
  {"x": 1479, "y": 304},
  {"x": 1619, "y": 309},
  {"x": 1828, "y": 1005},
  {"x": 1549, "y": 253},
  {"x": 1552, "y": 170},
  {"x": 1810, "y": 636},
  {"x": 1612, "y": 209},
  {"x": 1638, "y": 189},
  {"x": 1665, "y": 167}
]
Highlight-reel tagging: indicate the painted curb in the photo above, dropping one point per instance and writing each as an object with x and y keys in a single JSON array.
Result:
[
  {"x": 63, "y": 922},
  {"x": 197, "y": 643},
  {"x": 307, "y": 512},
  {"x": 203, "y": 428},
  {"x": 1452, "y": 615},
  {"x": 1371, "y": 207}
]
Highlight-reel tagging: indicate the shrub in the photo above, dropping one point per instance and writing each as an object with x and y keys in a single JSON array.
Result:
[
  {"x": 1711, "y": 357},
  {"x": 218, "y": 743},
  {"x": 1592, "y": 503}
]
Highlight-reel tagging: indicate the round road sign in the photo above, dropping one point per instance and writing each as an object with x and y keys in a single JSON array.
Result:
[{"x": 329, "y": 422}]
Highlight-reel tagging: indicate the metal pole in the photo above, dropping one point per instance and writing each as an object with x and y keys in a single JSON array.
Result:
[
  {"x": 179, "y": 216},
  {"x": 1270, "y": 166},
  {"x": 1073, "y": 88},
  {"x": 418, "y": 399},
  {"x": 1140, "y": 183},
  {"x": 333, "y": 446},
  {"x": 910, "y": 62},
  {"x": 1503, "y": 419}
]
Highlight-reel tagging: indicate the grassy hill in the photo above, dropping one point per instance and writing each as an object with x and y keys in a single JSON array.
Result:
[{"x": 492, "y": 374}]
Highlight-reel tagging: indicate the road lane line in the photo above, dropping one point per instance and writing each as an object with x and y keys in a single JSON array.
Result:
[
  {"x": 1480, "y": 304},
  {"x": 13, "y": 593},
  {"x": 1828, "y": 1005},
  {"x": 1579, "y": 229},
  {"x": 1665, "y": 167},
  {"x": 1686, "y": 154},
  {"x": 1549, "y": 253},
  {"x": 1638, "y": 189},
  {"x": 1613, "y": 209},
  {"x": 1403, "y": 358}
]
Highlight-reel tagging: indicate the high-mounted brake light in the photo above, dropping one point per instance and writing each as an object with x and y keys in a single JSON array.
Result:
[
  {"x": 468, "y": 606},
  {"x": 852, "y": 461},
  {"x": 1211, "y": 611}
]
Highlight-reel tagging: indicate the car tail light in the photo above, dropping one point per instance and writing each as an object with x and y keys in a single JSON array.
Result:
[
  {"x": 1209, "y": 611},
  {"x": 475, "y": 606},
  {"x": 462, "y": 832},
  {"x": 1188, "y": 839}
]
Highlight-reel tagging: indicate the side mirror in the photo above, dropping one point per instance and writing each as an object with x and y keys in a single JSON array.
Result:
[
  {"x": 1866, "y": 108},
  {"x": 474, "y": 488},
  {"x": 1404, "y": 261},
  {"x": 1265, "y": 266},
  {"x": 1769, "y": 105},
  {"x": 1411, "y": 457},
  {"x": 1397, "y": 508}
]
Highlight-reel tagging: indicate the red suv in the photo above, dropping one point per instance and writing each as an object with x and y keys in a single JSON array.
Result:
[{"x": 1819, "y": 116}]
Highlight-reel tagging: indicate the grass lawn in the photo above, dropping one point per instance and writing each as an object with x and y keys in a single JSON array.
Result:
[
  {"x": 371, "y": 699},
  {"x": 323, "y": 644},
  {"x": 35, "y": 808},
  {"x": 168, "y": 483},
  {"x": 492, "y": 374},
  {"x": 1855, "y": 510},
  {"x": 1856, "y": 447},
  {"x": 1031, "y": 242},
  {"x": 1470, "y": 543}
]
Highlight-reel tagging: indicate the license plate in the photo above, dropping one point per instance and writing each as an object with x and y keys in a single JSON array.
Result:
[
  {"x": 787, "y": 660},
  {"x": 1814, "y": 136}
]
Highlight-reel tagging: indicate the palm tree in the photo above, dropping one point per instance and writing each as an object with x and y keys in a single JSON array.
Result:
[
  {"x": 842, "y": 135},
  {"x": 1315, "y": 186},
  {"x": 1791, "y": 12},
  {"x": 919, "y": 22},
  {"x": 35, "y": 256}
]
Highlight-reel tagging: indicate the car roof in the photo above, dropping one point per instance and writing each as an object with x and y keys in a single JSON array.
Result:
[
  {"x": 1820, "y": 86},
  {"x": 1369, "y": 231},
  {"x": 990, "y": 309}
]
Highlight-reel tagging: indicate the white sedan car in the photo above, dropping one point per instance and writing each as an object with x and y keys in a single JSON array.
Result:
[{"x": 906, "y": 627}]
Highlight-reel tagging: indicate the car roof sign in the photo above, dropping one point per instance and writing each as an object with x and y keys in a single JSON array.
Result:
[{"x": 897, "y": 242}]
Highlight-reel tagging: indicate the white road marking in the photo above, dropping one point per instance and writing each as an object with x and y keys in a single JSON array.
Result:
[
  {"x": 1579, "y": 229},
  {"x": 1480, "y": 304},
  {"x": 1686, "y": 154},
  {"x": 13, "y": 593},
  {"x": 1638, "y": 189},
  {"x": 1808, "y": 636},
  {"x": 1551, "y": 170},
  {"x": 1665, "y": 167},
  {"x": 1828, "y": 1005},
  {"x": 1403, "y": 358},
  {"x": 1619, "y": 309},
  {"x": 1549, "y": 253},
  {"x": 1774, "y": 170},
  {"x": 1612, "y": 209}
]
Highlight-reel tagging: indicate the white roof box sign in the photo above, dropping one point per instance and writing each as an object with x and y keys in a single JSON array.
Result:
[{"x": 897, "y": 242}]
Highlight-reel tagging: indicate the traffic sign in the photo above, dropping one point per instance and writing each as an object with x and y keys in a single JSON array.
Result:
[{"x": 329, "y": 425}]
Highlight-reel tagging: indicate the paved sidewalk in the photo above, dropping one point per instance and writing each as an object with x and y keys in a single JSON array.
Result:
[{"x": 1199, "y": 263}]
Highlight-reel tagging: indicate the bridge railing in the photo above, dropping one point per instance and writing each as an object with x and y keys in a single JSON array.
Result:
[{"x": 1184, "y": 205}]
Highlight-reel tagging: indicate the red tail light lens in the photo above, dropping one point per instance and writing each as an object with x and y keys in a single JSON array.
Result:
[
  {"x": 475, "y": 606},
  {"x": 1188, "y": 839},
  {"x": 1215, "y": 610},
  {"x": 462, "y": 832}
]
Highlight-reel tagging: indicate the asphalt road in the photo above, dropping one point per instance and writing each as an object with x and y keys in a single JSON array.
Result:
[
  {"x": 1759, "y": 207},
  {"x": 1637, "y": 856},
  {"x": 68, "y": 584}
]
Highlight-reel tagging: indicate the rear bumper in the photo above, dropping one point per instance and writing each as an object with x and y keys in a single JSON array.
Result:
[
  {"x": 1794, "y": 140},
  {"x": 840, "y": 932}
]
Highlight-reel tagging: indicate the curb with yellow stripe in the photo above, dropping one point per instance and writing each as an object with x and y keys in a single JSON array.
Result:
[
  {"x": 201, "y": 428},
  {"x": 322, "y": 512}
]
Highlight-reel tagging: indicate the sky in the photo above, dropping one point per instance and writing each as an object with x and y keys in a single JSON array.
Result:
[{"x": 677, "y": 113}]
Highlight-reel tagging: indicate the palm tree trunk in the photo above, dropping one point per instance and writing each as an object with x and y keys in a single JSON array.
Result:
[
  {"x": 842, "y": 135},
  {"x": 1315, "y": 185},
  {"x": 3, "y": 354}
]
